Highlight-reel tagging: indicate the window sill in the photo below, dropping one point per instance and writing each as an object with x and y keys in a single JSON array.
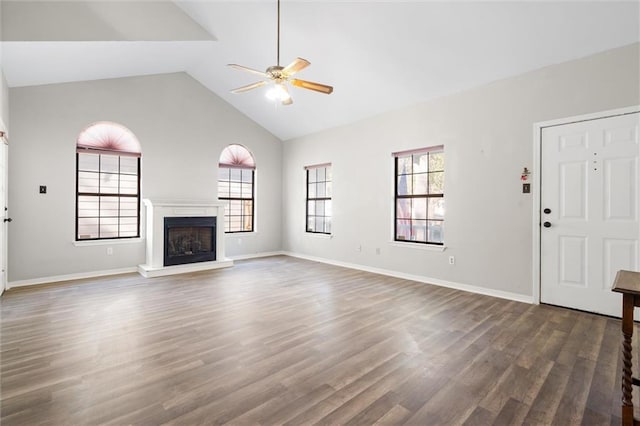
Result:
[
  {"x": 240, "y": 234},
  {"x": 90, "y": 243},
  {"x": 418, "y": 246},
  {"x": 319, "y": 235}
]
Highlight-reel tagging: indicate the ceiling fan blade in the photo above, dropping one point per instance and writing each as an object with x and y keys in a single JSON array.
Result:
[
  {"x": 297, "y": 65},
  {"x": 322, "y": 88},
  {"x": 247, "y": 69},
  {"x": 288, "y": 100},
  {"x": 249, "y": 87}
]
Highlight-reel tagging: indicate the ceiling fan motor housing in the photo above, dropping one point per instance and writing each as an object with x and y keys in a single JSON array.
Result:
[{"x": 276, "y": 73}]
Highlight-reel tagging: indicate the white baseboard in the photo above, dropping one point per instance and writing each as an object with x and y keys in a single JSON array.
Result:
[
  {"x": 434, "y": 281},
  {"x": 257, "y": 255},
  {"x": 70, "y": 277}
]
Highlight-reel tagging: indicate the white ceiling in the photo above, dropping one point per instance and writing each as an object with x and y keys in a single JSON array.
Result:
[{"x": 378, "y": 55}]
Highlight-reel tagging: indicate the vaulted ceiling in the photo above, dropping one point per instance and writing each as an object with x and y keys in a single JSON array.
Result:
[{"x": 378, "y": 55}]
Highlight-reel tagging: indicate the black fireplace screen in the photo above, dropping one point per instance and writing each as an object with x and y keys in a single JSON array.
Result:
[{"x": 189, "y": 240}]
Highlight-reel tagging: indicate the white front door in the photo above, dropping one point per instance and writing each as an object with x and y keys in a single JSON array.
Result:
[{"x": 590, "y": 196}]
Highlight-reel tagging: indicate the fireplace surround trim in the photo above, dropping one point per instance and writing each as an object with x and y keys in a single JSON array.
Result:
[{"x": 156, "y": 211}]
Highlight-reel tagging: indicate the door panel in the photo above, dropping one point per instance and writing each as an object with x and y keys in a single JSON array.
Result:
[{"x": 589, "y": 181}]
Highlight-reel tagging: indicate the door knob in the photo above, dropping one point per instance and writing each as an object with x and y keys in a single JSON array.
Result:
[
  {"x": 547, "y": 211},
  {"x": 547, "y": 224},
  {"x": 8, "y": 219}
]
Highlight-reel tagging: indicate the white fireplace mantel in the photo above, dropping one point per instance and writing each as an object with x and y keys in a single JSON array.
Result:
[{"x": 156, "y": 211}]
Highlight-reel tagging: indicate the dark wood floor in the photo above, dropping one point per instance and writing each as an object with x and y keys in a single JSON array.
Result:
[{"x": 286, "y": 341}]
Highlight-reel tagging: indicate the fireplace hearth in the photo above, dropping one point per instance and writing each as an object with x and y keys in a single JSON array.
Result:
[{"x": 189, "y": 240}]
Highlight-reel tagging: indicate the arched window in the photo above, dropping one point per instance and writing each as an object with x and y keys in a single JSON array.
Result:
[
  {"x": 107, "y": 183},
  {"x": 236, "y": 177}
]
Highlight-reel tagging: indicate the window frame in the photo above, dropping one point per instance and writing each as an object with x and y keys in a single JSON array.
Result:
[
  {"x": 99, "y": 194},
  {"x": 228, "y": 199},
  {"x": 315, "y": 199},
  {"x": 427, "y": 196}
]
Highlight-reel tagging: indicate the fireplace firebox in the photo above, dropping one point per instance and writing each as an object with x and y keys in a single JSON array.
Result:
[{"x": 189, "y": 240}]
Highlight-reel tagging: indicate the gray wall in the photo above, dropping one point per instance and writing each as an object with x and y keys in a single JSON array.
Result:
[
  {"x": 182, "y": 128},
  {"x": 488, "y": 137},
  {"x": 4, "y": 100}
]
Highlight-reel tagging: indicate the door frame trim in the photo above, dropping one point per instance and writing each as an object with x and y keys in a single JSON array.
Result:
[{"x": 537, "y": 181}]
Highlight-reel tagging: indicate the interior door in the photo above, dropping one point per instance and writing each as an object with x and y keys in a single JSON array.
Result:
[{"x": 589, "y": 211}]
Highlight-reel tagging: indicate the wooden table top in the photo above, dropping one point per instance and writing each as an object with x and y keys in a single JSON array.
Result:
[{"x": 627, "y": 282}]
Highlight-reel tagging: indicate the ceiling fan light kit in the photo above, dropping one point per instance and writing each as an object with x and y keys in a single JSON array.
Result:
[{"x": 280, "y": 76}]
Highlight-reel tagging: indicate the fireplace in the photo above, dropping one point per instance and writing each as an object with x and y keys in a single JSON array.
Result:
[
  {"x": 183, "y": 236},
  {"x": 189, "y": 240}
]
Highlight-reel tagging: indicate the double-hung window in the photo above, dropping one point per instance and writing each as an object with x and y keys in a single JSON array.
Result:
[
  {"x": 236, "y": 178},
  {"x": 107, "y": 183},
  {"x": 419, "y": 196},
  {"x": 319, "y": 192}
]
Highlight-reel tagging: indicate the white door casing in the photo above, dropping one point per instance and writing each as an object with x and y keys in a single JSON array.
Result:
[
  {"x": 4, "y": 151},
  {"x": 590, "y": 182}
]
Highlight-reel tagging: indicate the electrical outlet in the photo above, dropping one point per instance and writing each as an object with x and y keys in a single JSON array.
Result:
[
  {"x": 452, "y": 260},
  {"x": 43, "y": 189},
  {"x": 109, "y": 251}
]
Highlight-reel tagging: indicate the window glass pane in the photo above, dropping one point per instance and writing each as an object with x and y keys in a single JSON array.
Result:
[
  {"x": 88, "y": 182},
  {"x": 328, "y": 189},
  {"x": 436, "y": 183},
  {"x": 419, "y": 230},
  {"x": 320, "y": 190},
  {"x": 436, "y": 231},
  {"x": 235, "y": 207},
  {"x": 311, "y": 208},
  {"x": 311, "y": 173},
  {"x": 247, "y": 223},
  {"x": 109, "y": 163},
  {"x": 128, "y": 226},
  {"x": 403, "y": 208},
  {"x": 321, "y": 173},
  {"x": 129, "y": 165},
  {"x": 128, "y": 184},
  {"x": 236, "y": 175},
  {"x": 436, "y": 161},
  {"x": 420, "y": 163},
  {"x": 223, "y": 189},
  {"x": 235, "y": 224},
  {"x": 311, "y": 222},
  {"x": 420, "y": 184},
  {"x": 327, "y": 208},
  {"x": 223, "y": 173},
  {"x": 247, "y": 190},
  {"x": 404, "y": 165},
  {"x": 235, "y": 190},
  {"x": 129, "y": 207},
  {"x": 403, "y": 229},
  {"x": 436, "y": 208},
  {"x": 247, "y": 175},
  {"x": 109, "y": 227},
  {"x": 319, "y": 208},
  {"x": 89, "y": 162},
  {"x": 108, "y": 183},
  {"x": 247, "y": 208},
  {"x": 329, "y": 174},
  {"x": 404, "y": 185},
  {"x": 312, "y": 190},
  {"x": 88, "y": 206},
  {"x": 419, "y": 208},
  {"x": 109, "y": 206},
  {"x": 319, "y": 224},
  {"x": 327, "y": 225},
  {"x": 87, "y": 228}
]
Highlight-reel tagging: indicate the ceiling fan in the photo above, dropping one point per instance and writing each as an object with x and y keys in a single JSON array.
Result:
[{"x": 280, "y": 76}]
